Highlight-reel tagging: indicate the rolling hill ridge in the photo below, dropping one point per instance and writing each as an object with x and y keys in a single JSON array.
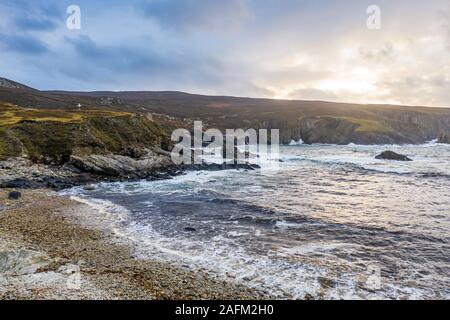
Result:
[{"x": 311, "y": 121}]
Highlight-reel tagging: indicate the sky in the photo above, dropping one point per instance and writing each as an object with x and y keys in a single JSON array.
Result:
[{"x": 289, "y": 49}]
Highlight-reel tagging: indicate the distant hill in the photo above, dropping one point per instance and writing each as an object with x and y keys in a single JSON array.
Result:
[
  {"x": 9, "y": 84},
  {"x": 312, "y": 121}
]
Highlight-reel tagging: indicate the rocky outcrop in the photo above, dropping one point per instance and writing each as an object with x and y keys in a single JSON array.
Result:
[
  {"x": 121, "y": 166},
  {"x": 22, "y": 173},
  {"x": 390, "y": 155},
  {"x": 156, "y": 164},
  {"x": 149, "y": 167}
]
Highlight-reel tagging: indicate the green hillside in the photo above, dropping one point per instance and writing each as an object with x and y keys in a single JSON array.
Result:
[{"x": 52, "y": 136}]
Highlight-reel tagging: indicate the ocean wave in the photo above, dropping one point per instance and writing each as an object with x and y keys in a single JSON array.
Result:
[
  {"x": 108, "y": 215},
  {"x": 431, "y": 143},
  {"x": 366, "y": 162},
  {"x": 353, "y": 166}
]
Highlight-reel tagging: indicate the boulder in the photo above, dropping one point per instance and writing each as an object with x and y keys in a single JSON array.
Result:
[
  {"x": 390, "y": 155},
  {"x": 14, "y": 195}
]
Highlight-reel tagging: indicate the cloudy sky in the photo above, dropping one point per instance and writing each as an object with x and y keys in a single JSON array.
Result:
[{"x": 292, "y": 49}]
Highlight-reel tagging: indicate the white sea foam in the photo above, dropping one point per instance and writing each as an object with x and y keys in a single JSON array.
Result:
[
  {"x": 107, "y": 215},
  {"x": 431, "y": 143},
  {"x": 296, "y": 143},
  {"x": 226, "y": 260}
]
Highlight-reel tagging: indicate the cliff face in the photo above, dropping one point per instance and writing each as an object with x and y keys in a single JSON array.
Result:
[{"x": 389, "y": 128}]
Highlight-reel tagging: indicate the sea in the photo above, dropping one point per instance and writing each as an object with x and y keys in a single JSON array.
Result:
[{"x": 324, "y": 222}]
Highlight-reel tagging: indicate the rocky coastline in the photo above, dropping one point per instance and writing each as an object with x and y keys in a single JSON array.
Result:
[{"x": 154, "y": 164}]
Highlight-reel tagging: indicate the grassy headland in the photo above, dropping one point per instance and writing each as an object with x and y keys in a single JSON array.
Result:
[{"x": 52, "y": 136}]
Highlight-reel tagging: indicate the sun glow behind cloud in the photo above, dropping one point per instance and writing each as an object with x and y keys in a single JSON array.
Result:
[{"x": 397, "y": 68}]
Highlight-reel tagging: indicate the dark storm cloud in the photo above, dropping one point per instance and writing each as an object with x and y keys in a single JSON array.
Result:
[
  {"x": 23, "y": 22},
  {"x": 34, "y": 15},
  {"x": 113, "y": 62},
  {"x": 120, "y": 58}
]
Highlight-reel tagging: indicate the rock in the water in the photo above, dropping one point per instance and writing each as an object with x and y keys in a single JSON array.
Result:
[
  {"x": 390, "y": 155},
  {"x": 89, "y": 187},
  {"x": 190, "y": 229},
  {"x": 14, "y": 195}
]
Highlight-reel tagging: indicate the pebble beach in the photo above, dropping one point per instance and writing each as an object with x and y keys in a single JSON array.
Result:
[{"x": 49, "y": 250}]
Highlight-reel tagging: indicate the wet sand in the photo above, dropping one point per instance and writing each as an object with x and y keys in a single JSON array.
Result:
[{"x": 49, "y": 251}]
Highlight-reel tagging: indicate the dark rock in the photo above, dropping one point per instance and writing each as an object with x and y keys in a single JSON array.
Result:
[
  {"x": 14, "y": 195},
  {"x": 326, "y": 282},
  {"x": 390, "y": 155},
  {"x": 18, "y": 184},
  {"x": 190, "y": 229},
  {"x": 445, "y": 138}
]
